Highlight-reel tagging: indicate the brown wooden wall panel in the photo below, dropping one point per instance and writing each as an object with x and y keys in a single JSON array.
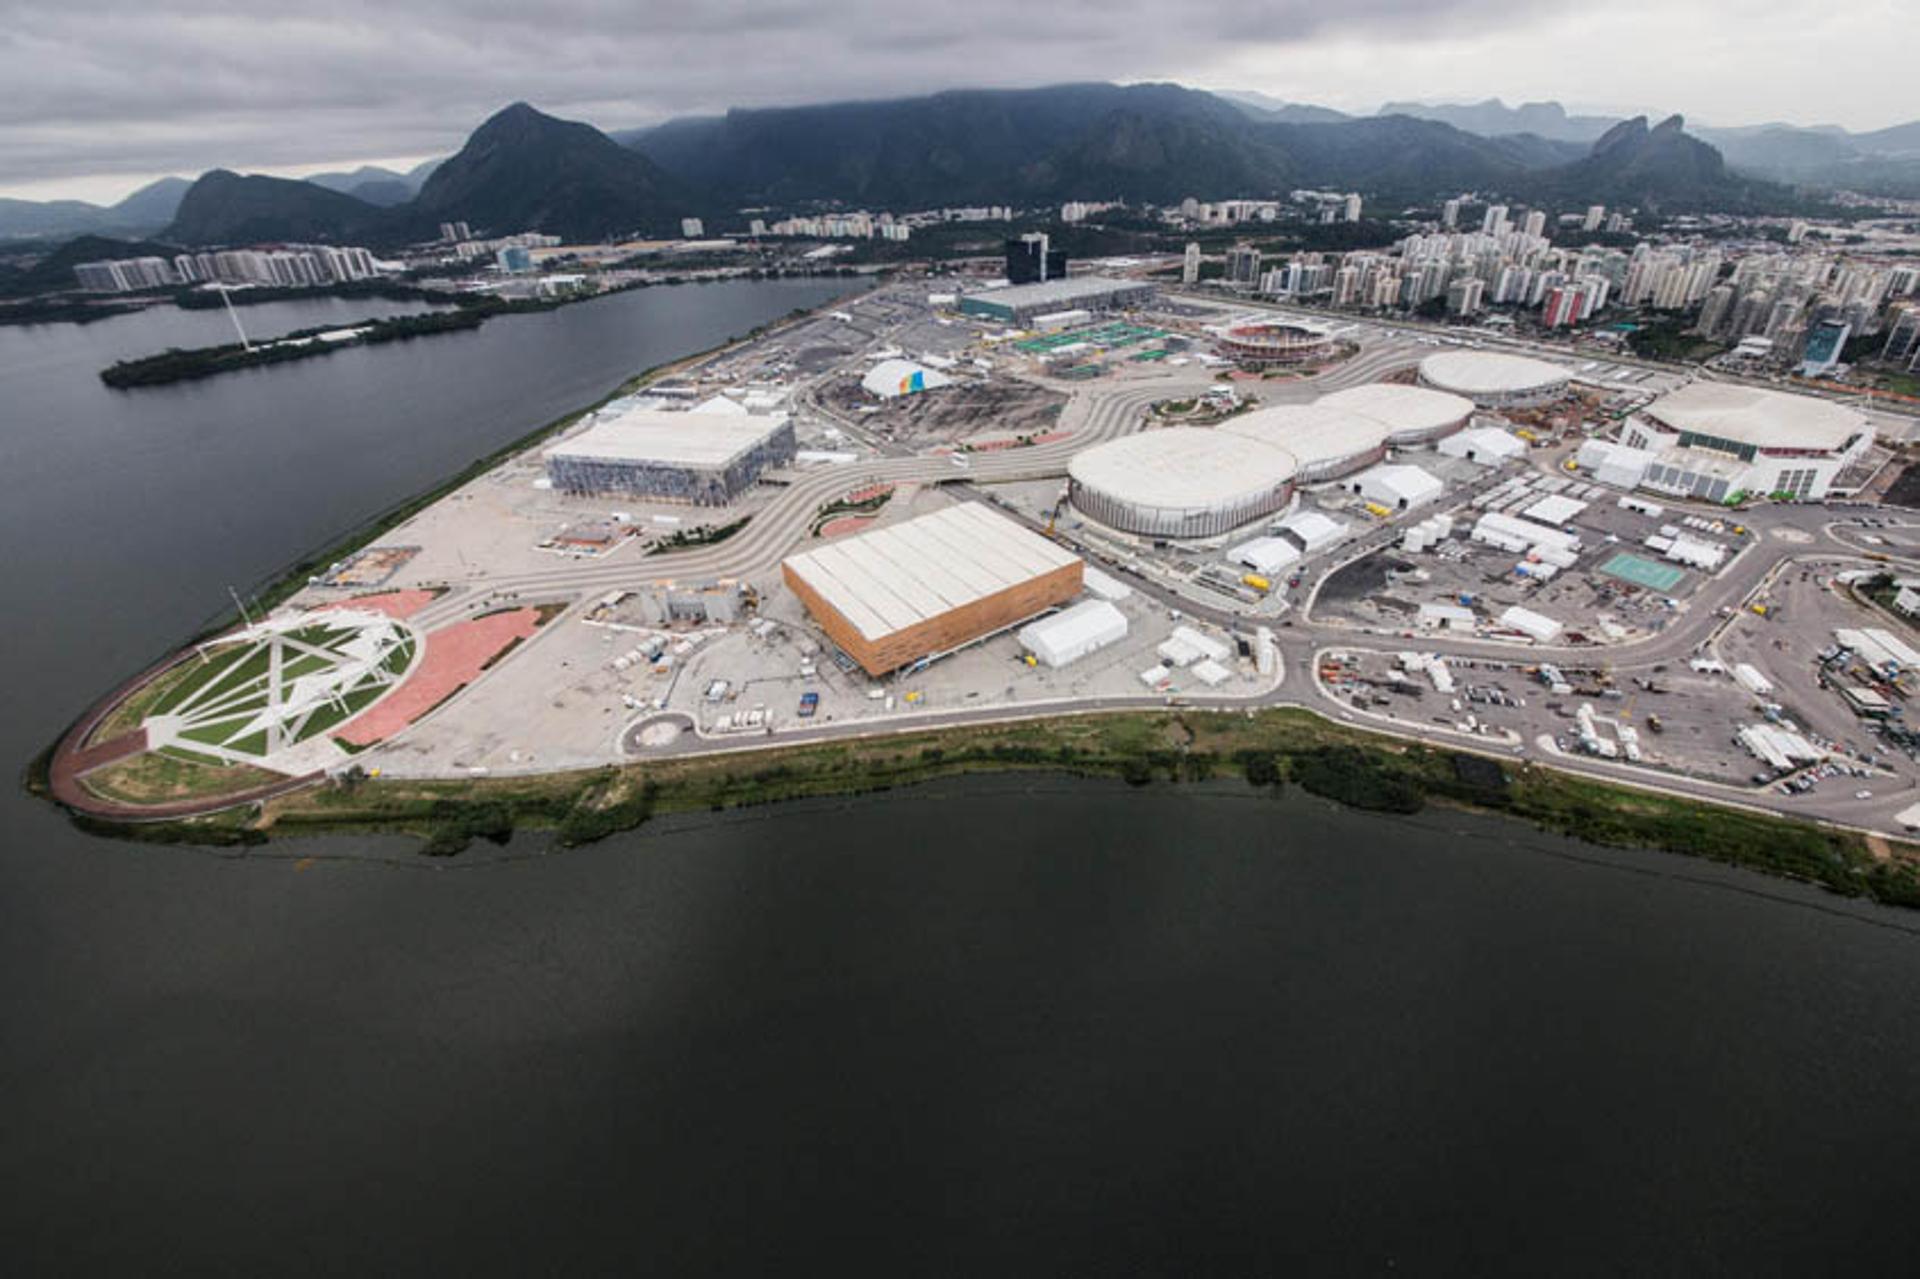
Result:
[{"x": 948, "y": 630}]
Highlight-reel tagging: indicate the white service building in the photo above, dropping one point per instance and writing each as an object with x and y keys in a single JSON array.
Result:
[{"x": 1615, "y": 465}]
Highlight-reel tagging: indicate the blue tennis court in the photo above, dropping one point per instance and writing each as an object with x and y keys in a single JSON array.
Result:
[{"x": 1643, "y": 572}]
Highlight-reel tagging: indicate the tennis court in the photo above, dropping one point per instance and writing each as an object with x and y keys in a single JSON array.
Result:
[{"x": 1643, "y": 572}]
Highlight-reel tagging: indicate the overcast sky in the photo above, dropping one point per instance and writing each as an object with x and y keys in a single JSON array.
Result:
[{"x": 98, "y": 96}]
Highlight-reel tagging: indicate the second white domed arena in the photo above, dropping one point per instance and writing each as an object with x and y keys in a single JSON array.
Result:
[{"x": 1183, "y": 482}]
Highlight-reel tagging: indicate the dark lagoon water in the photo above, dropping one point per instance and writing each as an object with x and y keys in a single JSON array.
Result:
[{"x": 1016, "y": 1025}]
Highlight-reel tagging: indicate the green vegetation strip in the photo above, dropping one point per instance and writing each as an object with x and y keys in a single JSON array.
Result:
[
  {"x": 705, "y": 535},
  {"x": 1269, "y": 748}
]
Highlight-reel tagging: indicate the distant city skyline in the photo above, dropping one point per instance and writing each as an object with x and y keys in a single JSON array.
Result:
[{"x": 98, "y": 97}]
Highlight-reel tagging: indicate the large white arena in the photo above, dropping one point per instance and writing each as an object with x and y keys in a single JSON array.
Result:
[
  {"x": 1326, "y": 443},
  {"x": 1495, "y": 380},
  {"x": 1183, "y": 482},
  {"x": 1716, "y": 440},
  {"x": 1347, "y": 430},
  {"x": 1411, "y": 414}
]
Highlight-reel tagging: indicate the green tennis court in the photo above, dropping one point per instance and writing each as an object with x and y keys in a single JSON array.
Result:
[{"x": 1643, "y": 572}]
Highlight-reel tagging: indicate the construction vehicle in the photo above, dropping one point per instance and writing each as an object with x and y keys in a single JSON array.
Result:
[
  {"x": 1053, "y": 516},
  {"x": 1654, "y": 725}
]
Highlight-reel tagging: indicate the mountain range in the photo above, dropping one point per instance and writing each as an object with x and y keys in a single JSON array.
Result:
[
  {"x": 148, "y": 209},
  {"x": 1877, "y": 162},
  {"x": 1154, "y": 142},
  {"x": 525, "y": 170}
]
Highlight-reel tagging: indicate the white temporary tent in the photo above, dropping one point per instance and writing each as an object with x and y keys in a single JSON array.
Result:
[
  {"x": 1536, "y": 625},
  {"x": 1266, "y": 555},
  {"x": 1486, "y": 445},
  {"x": 1205, "y": 645},
  {"x": 1069, "y": 635},
  {"x": 891, "y": 378},
  {"x": 1211, "y": 673},
  {"x": 1311, "y": 529},
  {"x": 1396, "y": 487}
]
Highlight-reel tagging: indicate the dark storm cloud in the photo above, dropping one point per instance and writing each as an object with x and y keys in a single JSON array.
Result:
[{"x": 103, "y": 86}]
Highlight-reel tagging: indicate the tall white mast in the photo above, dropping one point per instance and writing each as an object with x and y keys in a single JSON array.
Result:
[{"x": 227, "y": 297}]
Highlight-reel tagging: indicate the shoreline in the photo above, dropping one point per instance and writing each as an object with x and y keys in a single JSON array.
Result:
[
  {"x": 451, "y": 313},
  {"x": 1358, "y": 767}
]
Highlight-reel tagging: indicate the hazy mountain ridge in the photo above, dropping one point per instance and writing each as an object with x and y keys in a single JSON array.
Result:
[
  {"x": 148, "y": 209},
  {"x": 1879, "y": 161},
  {"x": 1492, "y": 118}
]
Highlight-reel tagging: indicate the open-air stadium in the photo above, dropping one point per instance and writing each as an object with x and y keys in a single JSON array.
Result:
[
  {"x": 1264, "y": 343},
  {"x": 279, "y": 682}
]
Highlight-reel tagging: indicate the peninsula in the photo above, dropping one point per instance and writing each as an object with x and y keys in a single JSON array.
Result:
[{"x": 910, "y": 535}]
